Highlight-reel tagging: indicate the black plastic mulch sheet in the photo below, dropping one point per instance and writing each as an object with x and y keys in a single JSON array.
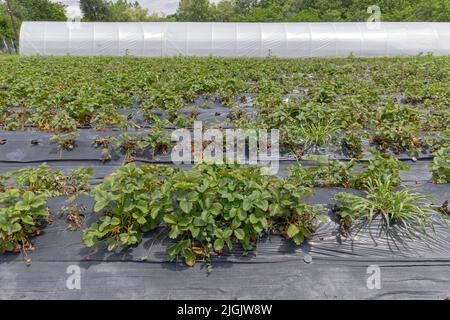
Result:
[{"x": 329, "y": 266}]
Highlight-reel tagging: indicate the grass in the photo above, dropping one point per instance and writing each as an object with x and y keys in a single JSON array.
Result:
[{"x": 404, "y": 208}]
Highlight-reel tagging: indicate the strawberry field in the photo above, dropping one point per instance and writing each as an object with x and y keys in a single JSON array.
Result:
[{"x": 86, "y": 173}]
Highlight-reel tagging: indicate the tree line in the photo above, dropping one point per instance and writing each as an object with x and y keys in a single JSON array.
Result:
[
  {"x": 13, "y": 12},
  {"x": 272, "y": 10},
  {"x": 312, "y": 10}
]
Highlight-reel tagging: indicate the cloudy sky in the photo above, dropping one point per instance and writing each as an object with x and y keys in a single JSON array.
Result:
[{"x": 157, "y": 6}]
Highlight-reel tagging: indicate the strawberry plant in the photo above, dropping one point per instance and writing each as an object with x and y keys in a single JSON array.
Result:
[
  {"x": 440, "y": 167},
  {"x": 123, "y": 198},
  {"x": 21, "y": 214},
  {"x": 49, "y": 182},
  {"x": 213, "y": 208},
  {"x": 397, "y": 127},
  {"x": 128, "y": 144},
  {"x": 107, "y": 117},
  {"x": 381, "y": 166},
  {"x": 107, "y": 145},
  {"x": 327, "y": 174},
  {"x": 351, "y": 144},
  {"x": 292, "y": 217},
  {"x": 301, "y": 176},
  {"x": 335, "y": 174},
  {"x": 63, "y": 122},
  {"x": 132, "y": 144},
  {"x": 74, "y": 215},
  {"x": 207, "y": 209},
  {"x": 65, "y": 142},
  {"x": 156, "y": 139},
  {"x": 41, "y": 180},
  {"x": 398, "y": 138}
]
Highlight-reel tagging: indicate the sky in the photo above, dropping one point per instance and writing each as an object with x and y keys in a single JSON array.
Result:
[{"x": 154, "y": 6}]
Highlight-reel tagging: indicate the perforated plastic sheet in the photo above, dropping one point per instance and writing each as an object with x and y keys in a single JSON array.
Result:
[{"x": 234, "y": 39}]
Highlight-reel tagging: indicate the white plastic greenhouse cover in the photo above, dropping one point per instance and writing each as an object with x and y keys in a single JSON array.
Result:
[{"x": 233, "y": 39}]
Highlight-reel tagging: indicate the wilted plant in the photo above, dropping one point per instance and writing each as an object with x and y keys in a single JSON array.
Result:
[{"x": 66, "y": 142}]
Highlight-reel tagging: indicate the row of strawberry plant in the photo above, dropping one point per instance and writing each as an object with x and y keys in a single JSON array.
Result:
[
  {"x": 348, "y": 174},
  {"x": 399, "y": 104},
  {"x": 206, "y": 209},
  {"x": 215, "y": 208}
]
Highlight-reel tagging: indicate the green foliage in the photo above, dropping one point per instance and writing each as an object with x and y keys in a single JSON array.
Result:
[
  {"x": 351, "y": 143},
  {"x": 28, "y": 10},
  {"x": 440, "y": 167},
  {"x": 381, "y": 166},
  {"x": 314, "y": 135},
  {"x": 63, "y": 122},
  {"x": 397, "y": 127},
  {"x": 409, "y": 210},
  {"x": 124, "y": 198},
  {"x": 94, "y": 10},
  {"x": 155, "y": 141},
  {"x": 115, "y": 11},
  {"x": 301, "y": 176},
  {"x": 209, "y": 208},
  {"x": 47, "y": 181},
  {"x": 335, "y": 174},
  {"x": 340, "y": 102},
  {"x": 313, "y": 11},
  {"x": 403, "y": 10},
  {"x": 217, "y": 207},
  {"x": 194, "y": 10},
  {"x": 20, "y": 216},
  {"x": 295, "y": 219},
  {"x": 66, "y": 142},
  {"x": 40, "y": 10}
]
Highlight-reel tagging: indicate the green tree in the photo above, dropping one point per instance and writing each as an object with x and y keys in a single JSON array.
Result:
[
  {"x": 28, "y": 10},
  {"x": 340, "y": 10},
  {"x": 5, "y": 23},
  {"x": 137, "y": 13},
  {"x": 118, "y": 11},
  {"x": 307, "y": 15},
  {"x": 40, "y": 10},
  {"x": 194, "y": 10},
  {"x": 245, "y": 6},
  {"x": 224, "y": 11},
  {"x": 95, "y": 10}
]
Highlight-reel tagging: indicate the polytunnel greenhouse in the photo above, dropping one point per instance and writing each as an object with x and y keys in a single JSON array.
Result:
[{"x": 234, "y": 39}]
